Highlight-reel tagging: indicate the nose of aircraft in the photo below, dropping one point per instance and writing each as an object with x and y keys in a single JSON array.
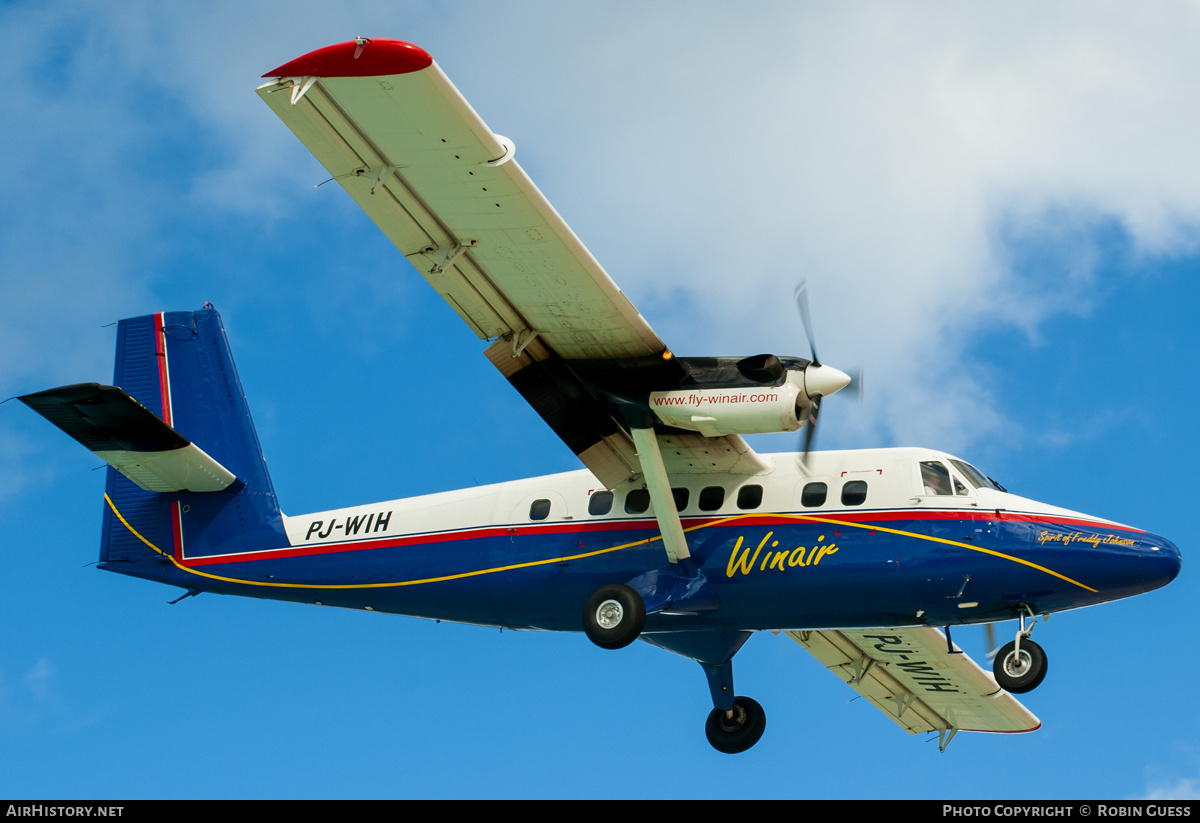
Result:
[{"x": 1158, "y": 561}]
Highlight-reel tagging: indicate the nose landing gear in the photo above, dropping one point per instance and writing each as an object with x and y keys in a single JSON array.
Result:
[{"x": 1021, "y": 665}]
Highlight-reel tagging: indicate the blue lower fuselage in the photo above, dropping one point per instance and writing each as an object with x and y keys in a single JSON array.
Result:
[{"x": 768, "y": 571}]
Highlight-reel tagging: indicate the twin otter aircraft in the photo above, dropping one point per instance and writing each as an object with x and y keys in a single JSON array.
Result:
[{"x": 677, "y": 532}]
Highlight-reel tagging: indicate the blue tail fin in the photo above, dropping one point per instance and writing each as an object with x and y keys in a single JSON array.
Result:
[{"x": 178, "y": 365}]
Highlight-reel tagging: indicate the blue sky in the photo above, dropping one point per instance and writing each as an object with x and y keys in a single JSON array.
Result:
[{"x": 996, "y": 207}]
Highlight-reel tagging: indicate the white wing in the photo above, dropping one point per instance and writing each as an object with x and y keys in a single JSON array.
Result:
[
  {"x": 912, "y": 677},
  {"x": 396, "y": 134}
]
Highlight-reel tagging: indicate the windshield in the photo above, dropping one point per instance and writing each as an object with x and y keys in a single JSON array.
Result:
[{"x": 975, "y": 477}]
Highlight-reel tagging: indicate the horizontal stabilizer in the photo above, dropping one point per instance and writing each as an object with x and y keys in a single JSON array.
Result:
[{"x": 130, "y": 438}]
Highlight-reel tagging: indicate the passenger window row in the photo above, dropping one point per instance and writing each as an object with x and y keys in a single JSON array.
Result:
[
  {"x": 854, "y": 493},
  {"x": 710, "y": 499}
]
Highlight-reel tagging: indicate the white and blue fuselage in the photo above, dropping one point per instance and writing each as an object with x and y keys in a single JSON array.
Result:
[{"x": 852, "y": 539}]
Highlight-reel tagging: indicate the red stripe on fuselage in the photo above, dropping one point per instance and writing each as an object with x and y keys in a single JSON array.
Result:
[
  {"x": 649, "y": 525},
  {"x": 421, "y": 539},
  {"x": 164, "y": 385},
  {"x": 177, "y": 530}
]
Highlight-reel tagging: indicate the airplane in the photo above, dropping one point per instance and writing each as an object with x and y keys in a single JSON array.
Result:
[{"x": 676, "y": 532}]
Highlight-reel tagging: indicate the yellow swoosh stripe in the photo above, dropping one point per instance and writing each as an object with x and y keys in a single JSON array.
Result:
[
  {"x": 968, "y": 546},
  {"x": 368, "y": 585},
  {"x": 479, "y": 572}
]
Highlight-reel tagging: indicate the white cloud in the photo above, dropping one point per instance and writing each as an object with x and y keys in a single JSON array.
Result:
[
  {"x": 1183, "y": 788},
  {"x": 894, "y": 156},
  {"x": 39, "y": 678}
]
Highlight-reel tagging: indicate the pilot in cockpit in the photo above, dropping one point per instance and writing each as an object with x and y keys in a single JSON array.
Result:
[{"x": 935, "y": 478}]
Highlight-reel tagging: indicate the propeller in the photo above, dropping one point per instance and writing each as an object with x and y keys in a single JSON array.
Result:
[
  {"x": 819, "y": 380},
  {"x": 801, "y": 295},
  {"x": 810, "y": 422}
]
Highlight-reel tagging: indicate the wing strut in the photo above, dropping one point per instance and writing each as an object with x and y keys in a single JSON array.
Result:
[{"x": 659, "y": 486}]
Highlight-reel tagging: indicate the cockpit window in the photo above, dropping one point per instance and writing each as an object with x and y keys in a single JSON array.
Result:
[
  {"x": 935, "y": 478},
  {"x": 975, "y": 477}
]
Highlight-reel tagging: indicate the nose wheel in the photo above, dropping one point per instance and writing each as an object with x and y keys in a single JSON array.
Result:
[
  {"x": 737, "y": 729},
  {"x": 1020, "y": 670},
  {"x": 614, "y": 616},
  {"x": 1020, "y": 665}
]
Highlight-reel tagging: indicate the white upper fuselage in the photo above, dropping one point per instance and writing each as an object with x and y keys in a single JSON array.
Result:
[{"x": 892, "y": 476}]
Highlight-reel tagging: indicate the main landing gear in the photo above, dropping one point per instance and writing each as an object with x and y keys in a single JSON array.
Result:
[
  {"x": 614, "y": 616},
  {"x": 1021, "y": 665},
  {"x": 734, "y": 730}
]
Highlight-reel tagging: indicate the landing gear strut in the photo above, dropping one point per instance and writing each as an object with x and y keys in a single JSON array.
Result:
[
  {"x": 1021, "y": 665},
  {"x": 737, "y": 729},
  {"x": 614, "y": 616}
]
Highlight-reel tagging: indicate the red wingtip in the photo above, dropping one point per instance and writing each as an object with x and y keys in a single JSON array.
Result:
[{"x": 364, "y": 57}]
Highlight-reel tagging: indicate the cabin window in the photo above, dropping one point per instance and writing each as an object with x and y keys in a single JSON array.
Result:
[
  {"x": 935, "y": 478},
  {"x": 600, "y": 503},
  {"x": 712, "y": 498},
  {"x": 854, "y": 493},
  {"x": 681, "y": 498},
  {"x": 539, "y": 510},
  {"x": 749, "y": 497},
  {"x": 637, "y": 501},
  {"x": 814, "y": 494}
]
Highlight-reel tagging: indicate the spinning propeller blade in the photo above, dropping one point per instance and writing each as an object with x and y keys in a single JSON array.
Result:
[
  {"x": 856, "y": 384},
  {"x": 819, "y": 380},
  {"x": 801, "y": 294},
  {"x": 810, "y": 429}
]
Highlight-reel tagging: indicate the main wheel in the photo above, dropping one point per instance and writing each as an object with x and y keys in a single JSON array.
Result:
[
  {"x": 1020, "y": 672},
  {"x": 614, "y": 616},
  {"x": 735, "y": 734}
]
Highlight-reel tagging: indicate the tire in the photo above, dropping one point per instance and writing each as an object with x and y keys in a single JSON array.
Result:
[
  {"x": 1022, "y": 675},
  {"x": 735, "y": 735},
  {"x": 614, "y": 616}
]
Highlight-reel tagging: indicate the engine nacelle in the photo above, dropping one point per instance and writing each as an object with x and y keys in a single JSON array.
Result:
[{"x": 741, "y": 410}]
